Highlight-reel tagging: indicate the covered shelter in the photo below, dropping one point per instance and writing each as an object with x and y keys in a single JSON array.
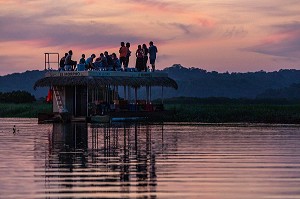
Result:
[{"x": 86, "y": 93}]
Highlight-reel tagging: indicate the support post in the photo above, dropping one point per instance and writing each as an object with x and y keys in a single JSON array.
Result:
[
  {"x": 75, "y": 102},
  {"x": 117, "y": 93},
  {"x": 113, "y": 94},
  {"x": 162, "y": 94},
  {"x": 106, "y": 93},
  {"x": 129, "y": 94},
  {"x": 147, "y": 94},
  {"x": 150, "y": 91},
  {"x": 103, "y": 93},
  {"x": 135, "y": 96},
  {"x": 93, "y": 97},
  {"x": 97, "y": 95},
  {"x": 109, "y": 94},
  {"x": 87, "y": 100},
  {"x": 125, "y": 95}
]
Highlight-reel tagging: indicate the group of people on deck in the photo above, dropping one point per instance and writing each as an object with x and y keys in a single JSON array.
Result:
[{"x": 111, "y": 62}]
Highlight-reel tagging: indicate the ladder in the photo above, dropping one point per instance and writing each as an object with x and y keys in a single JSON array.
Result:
[{"x": 59, "y": 101}]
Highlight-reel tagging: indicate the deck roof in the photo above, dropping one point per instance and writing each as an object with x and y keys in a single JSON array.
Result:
[{"x": 103, "y": 78}]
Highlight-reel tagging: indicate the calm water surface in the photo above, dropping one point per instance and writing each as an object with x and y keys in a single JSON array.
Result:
[{"x": 148, "y": 161}]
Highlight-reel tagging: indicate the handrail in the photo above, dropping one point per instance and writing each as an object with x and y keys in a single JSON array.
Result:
[{"x": 48, "y": 62}]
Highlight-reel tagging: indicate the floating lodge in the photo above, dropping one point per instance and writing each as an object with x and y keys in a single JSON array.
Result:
[{"x": 94, "y": 95}]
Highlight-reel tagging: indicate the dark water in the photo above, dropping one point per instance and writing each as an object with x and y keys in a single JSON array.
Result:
[{"x": 148, "y": 161}]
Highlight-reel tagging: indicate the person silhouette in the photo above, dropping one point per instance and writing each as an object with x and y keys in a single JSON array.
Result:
[
  {"x": 123, "y": 53},
  {"x": 128, "y": 54},
  {"x": 69, "y": 63},
  {"x": 145, "y": 58},
  {"x": 152, "y": 55},
  {"x": 139, "y": 58}
]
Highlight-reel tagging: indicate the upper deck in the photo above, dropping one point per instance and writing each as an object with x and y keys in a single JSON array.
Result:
[
  {"x": 95, "y": 78},
  {"x": 104, "y": 74},
  {"x": 106, "y": 78}
]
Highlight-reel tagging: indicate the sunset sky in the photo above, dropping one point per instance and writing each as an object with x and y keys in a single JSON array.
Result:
[{"x": 216, "y": 35}]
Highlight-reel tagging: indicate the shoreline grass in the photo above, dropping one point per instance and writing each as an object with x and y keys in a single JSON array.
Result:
[
  {"x": 24, "y": 110},
  {"x": 229, "y": 112},
  {"x": 237, "y": 113}
]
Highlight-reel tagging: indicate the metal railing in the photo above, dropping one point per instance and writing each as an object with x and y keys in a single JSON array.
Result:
[{"x": 48, "y": 61}]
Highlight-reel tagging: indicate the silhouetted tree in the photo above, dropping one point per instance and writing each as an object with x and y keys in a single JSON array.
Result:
[{"x": 16, "y": 97}]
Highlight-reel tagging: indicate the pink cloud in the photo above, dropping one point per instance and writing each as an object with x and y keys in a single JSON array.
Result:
[
  {"x": 155, "y": 5},
  {"x": 90, "y": 2},
  {"x": 285, "y": 42},
  {"x": 205, "y": 22}
]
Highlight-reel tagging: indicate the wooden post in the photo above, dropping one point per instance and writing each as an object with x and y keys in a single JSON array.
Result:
[
  {"x": 75, "y": 101},
  {"x": 150, "y": 91},
  {"x": 113, "y": 94},
  {"x": 129, "y": 94},
  {"x": 117, "y": 92},
  {"x": 108, "y": 94},
  {"x": 162, "y": 94},
  {"x": 103, "y": 93},
  {"x": 147, "y": 94},
  {"x": 125, "y": 95},
  {"x": 93, "y": 95},
  {"x": 87, "y": 100},
  {"x": 97, "y": 94},
  {"x": 135, "y": 96}
]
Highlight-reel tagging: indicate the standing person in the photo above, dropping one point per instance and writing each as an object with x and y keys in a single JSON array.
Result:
[
  {"x": 128, "y": 54},
  {"x": 82, "y": 60},
  {"x": 69, "y": 63},
  {"x": 152, "y": 55},
  {"x": 145, "y": 58},
  {"x": 123, "y": 54},
  {"x": 62, "y": 63},
  {"x": 139, "y": 58}
]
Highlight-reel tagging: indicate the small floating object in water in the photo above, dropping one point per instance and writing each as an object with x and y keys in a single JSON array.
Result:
[{"x": 14, "y": 129}]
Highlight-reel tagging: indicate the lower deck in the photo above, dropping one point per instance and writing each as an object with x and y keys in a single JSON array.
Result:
[
  {"x": 122, "y": 116},
  {"x": 76, "y": 95}
]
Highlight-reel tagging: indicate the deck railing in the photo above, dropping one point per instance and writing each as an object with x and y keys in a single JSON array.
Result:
[{"x": 49, "y": 61}]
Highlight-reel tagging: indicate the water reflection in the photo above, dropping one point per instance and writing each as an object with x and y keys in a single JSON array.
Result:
[
  {"x": 148, "y": 161},
  {"x": 110, "y": 159}
]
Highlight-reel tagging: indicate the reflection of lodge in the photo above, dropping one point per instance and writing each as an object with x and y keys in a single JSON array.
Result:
[
  {"x": 121, "y": 159},
  {"x": 87, "y": 93}
]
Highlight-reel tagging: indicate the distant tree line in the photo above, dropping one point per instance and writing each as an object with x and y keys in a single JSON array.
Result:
[
  {"x": 196, "y": 82},
  {"x": 192, "y": 82},
  {"x": 16, "y": 97}
]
